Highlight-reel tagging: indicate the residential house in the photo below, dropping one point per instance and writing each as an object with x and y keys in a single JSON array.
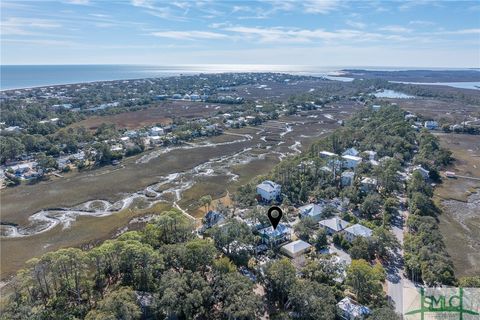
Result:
[
  {"x": 272, "y": 237},
  {"x": 355, "y": 231},
  {"x": 370, "y": 154},
  {"x": 431, "y": 125},
  {"x": 351, "y": 152},
  {"x": 295, "y": 248},
  {"x": 376, "y": 107},
  {"x": 269, "y": 190},
  {"x": 368, "y": 184},
  {"x": 349, "y": 309},
  {"x": 351, "y": 162},
  {"x": 156, "y": 131},
  {"x": 313, "y": 211},
  {"x": 347, "y": 178},
  {"x": 326, "y": 154},
  {"x": 424, "y": 172},
  {"x": 211, "y": 219},
  {"x": 333, "y": 225}
]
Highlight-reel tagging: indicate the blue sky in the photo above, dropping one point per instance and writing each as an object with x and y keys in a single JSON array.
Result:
[{"x": 321, "y": 33}]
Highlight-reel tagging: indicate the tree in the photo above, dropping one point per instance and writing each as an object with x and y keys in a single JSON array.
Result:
[
  {"x": 235, "y": 295},
  {"x": 469, "y": 282},
  {"x": 206, "y": 201},
  {"x": 361, "y": 249},
  {"x": 321, "y": 241},
  {"x": 312, "y": 300},
  {"x": 199, "y": 254},
  {"x": 185, "y": 295},
  {"x": 234, "y": 238},
  {"x": 279, "y": 280},
  {"x": 120, "y": 304},
  {"x": 384, "y": 313},
  {"x": 371, "y": 205},
  {"x": 305, "y": 228},
  {"x": 323, "y": 271},
  {"x": 366, "y": 281},
  {"x": 384, "y": 242},
  {"x": 10, "y": 148}
]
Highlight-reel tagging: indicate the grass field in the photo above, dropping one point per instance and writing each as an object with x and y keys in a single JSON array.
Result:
[
  {"x": 460, "y": 221},
  {"x": 161, "y": 113}
]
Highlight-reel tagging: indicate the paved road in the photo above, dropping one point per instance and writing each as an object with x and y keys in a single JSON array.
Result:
[{"x": 395, "y": 278}]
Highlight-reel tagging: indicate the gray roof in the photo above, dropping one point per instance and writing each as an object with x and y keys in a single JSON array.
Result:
[
  {"x": 296, "y": 246},
  {"x": 334, "y": 223},
  {"x": 268, "y": 185},
  {"x": 359, "y": 230},
  {"x": 352, "y": 308},
  {"x": 311, "y": 210}
]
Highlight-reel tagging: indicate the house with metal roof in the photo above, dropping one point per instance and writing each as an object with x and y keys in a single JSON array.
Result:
[
  {"x": 295, "y": 248},
  {"x": 351, "y": 162},
  {"x": 276, "y": 236},
  {"x": 333, "y": 225},
  {"x": 269, "y": 190},
  {"x": 312, "y": 210},
  {"x": 349, "y": 309},
  {"x": 355, "y": 231},
  {"x": 350, "y": 152}
]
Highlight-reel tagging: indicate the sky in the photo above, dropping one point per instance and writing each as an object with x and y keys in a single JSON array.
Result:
[{"x": 310, "y": 32}]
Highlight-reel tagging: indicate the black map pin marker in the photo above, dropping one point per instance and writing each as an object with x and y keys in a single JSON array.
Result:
[{"x": 274, "y": 215}]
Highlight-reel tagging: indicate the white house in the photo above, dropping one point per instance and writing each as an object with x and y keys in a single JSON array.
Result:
[
  {"x": 276, "y": 236},
  {"x": 431, "y": 125},
  {"x": 347, "y": 178},
  {"x": 376, "y": 107},
  {"x": 355, "y": 231},
  {"x": 333, "y": 225},
  {"x": 326, "y": 154},
  {"x": 351, "y": 162},
  {"x": 424, "y": 172},
  {"x": 349, "y": 309},
  {"x": 269, "y": 190},
  {"x": 295, "y": 248},
  {"x": 156, "y": 131},
  {"x": 372, "y": 155},
  {"x": 312, "y": 210},
  {"x": 351, "y": 152},
  {"x": 368, "y": 184}
]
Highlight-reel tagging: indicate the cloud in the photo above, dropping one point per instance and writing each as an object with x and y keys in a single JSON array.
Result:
[
  {"x": 285, "y": 35},
  {"x": 78, "y": 2},
  {"x": 320, "y": 6},
  {"x": 395, "y": 29},
  {"x": 356, "y": 24},
  {"x": 422, "y": 23},
  {"x": 459, "y": 32},
  {"x": 23, "y": 26},
  {"x": 189, "y": 35}
]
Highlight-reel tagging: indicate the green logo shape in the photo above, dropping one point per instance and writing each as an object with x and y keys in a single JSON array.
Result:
[{"x": 440, "y": 304}]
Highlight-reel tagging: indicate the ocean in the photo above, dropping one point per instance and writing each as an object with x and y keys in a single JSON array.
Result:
[{"x": 26, "y": 76}]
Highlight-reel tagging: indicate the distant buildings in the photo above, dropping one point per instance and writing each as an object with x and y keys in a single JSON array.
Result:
[
  {"x": 333, "y": 225},
  {"x": 347, "y": 178},
  {"x": 295, "y": 248},
  {"x": 211, "y": 219},
  {"x": 349, "y": 309},
  {"x": 431, "y": 125},
  {"x": 269, "y": 190},
  {"x": 355, "y": 231},
  {"x": 424, "y": 172},
  {"x": 351, "y": 162},
  {"x": 326, "y": 154},
  {"x": 351, "y": 152},
  {"x": 368, "y": 184}
]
